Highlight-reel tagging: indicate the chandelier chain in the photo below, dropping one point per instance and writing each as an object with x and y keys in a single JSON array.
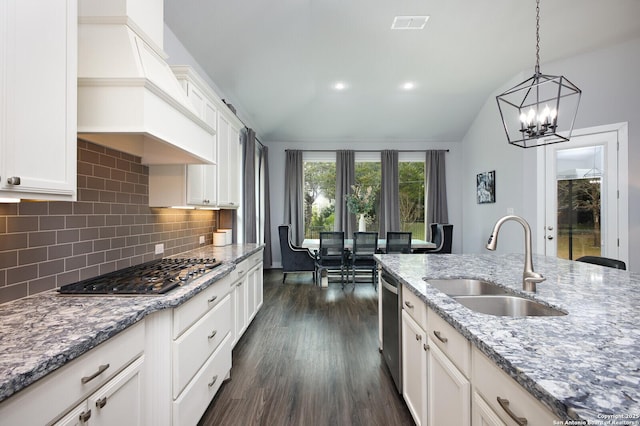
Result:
[{"x": 537, "y": 36}]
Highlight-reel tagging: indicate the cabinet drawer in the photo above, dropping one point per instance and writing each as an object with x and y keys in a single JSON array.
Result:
[
  {"x": 195, "y": 399},
  {"x": 415, "y": 307},
  {"x": 57, "y": 392},
  {"x": 195, "y": 345},
  {"x": 493, "y": 383},
  {"x": 188, "y": 313},
  {"x": 450, "y": 342}
]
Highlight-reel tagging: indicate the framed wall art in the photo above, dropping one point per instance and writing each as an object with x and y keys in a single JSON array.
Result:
[{"x": 486, "y": 187}]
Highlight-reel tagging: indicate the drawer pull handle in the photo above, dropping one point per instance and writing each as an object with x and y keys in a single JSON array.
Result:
[
  {"x": 504, "y": 403},
  {"x": 408, "y": 304},
  {"x": 84, "y": 416},
  {"x": 101, "y": 370},
  {"x": 440, "y": 336},
  {"x": 213, "y": 299},
  {"x": 426, "y": 347},
  {"x": 101, "y": 402},
  {"x": 213, "y": 381},
  {"x": 13, "y": 180},
  {"x": 213, "y": 334},
  {"x": 418, "y": 337}
]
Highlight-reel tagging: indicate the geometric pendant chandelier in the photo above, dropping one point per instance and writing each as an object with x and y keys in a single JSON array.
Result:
[{"x": 542, "y": 109}]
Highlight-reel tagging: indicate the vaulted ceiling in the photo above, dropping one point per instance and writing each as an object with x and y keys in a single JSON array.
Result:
[{"x": 278, "y": 60}]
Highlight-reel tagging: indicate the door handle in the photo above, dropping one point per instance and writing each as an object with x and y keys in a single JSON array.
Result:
[{"x": 549, "y": 237}]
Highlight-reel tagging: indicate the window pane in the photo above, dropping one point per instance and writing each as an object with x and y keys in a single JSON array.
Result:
[
  {"x": 411, "y": 176},
  {"x": 368, "y": 175},
  {"x": 319, "y": 197}
]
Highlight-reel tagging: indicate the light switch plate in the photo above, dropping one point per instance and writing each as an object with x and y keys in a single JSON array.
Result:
[
  {"x": 159, "y": 248},
  {"x": 201, "y": 239}
]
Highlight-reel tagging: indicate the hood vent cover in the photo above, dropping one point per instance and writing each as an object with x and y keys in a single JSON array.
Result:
[{"x": 128, "y": 97}]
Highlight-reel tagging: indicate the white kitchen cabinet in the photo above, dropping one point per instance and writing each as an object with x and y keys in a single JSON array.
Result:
[
  {"x": 505, "y": 398},
  {"x": 38, "y": 89},
  {"x": 449, "y": 391},
  {"x": 247, "y": 294},
  {"x": 229, "y": 159},
  {"x": 111, "y": 369},
  {"x": 192, "y": 185},
  {"x": 482, "y": 414},
  {"x": 414, "y": 368},
  {"x": 118, "y": 402},
  {"x": 255, "y": 288}
]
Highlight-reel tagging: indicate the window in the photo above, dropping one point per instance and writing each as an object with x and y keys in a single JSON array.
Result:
[{"x": 320, "y": 187}]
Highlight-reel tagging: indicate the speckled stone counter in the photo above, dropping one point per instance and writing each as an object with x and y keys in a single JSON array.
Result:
[
  {"x": 585, "y": 365},
  {"x": 43, "y": 332}
]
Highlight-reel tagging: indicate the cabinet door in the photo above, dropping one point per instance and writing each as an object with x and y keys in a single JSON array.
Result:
[
  {"x": 195, "y": 184},
  {"x": 241, "y": 319},
  {"x": 224, "y": 167},
  {"x": 119, "y": 402},
  {"x": 449, "y": 391},
  {"x": 80, "y": 415},
  {"x": 38, "y": 86},
  {"x": 414, "y": 368},
  {"x": 235, "y": 162}
]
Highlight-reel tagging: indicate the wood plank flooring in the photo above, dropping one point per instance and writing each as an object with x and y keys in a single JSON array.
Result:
[{"x": 310, "y": 357}]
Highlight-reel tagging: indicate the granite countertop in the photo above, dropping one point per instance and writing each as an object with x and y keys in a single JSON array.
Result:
[
  {"x": 585, "y": 365},
  {"x": 43, "y": 332}
]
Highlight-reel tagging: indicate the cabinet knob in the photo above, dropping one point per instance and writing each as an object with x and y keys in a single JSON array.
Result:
[
  {"x": 13, "y": 180},
  {"x": 408, "y": 304},
  {"x": 213, "y": 381},
  {"x": 549, "y": 237},
  {"x": 426, "y": 347}
]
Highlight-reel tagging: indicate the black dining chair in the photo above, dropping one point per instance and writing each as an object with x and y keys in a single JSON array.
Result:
[
  {"x": 603, "y": 261},
  {"x": 441, "y": 236},
  {"x": 294, "y": 258},
  {"x": 398, "y": 242},
  {"x": 332, "y": 256},
  {"x": 365, "y": 245}
]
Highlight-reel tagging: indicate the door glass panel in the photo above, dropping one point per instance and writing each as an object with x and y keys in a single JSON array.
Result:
[{"x": 579, "y": 179}]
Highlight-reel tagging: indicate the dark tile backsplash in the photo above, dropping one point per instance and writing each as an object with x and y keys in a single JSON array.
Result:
[{"x": 44, "y": 245}]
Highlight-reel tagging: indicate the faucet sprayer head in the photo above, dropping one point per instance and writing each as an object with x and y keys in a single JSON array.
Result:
[{"x": 492, "y": 243}]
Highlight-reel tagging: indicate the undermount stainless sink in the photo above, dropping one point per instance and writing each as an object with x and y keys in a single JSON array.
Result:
[
  {"x": 465, "y": 287},
  {"x": 510, "y": 306}
]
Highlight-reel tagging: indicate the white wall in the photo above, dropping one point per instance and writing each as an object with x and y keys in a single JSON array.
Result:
[
  {"x": 276, "y": 178},
  {"x": 608, "y": 79}
]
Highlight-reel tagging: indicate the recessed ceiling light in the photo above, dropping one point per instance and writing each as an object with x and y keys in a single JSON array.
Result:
[
  {"x": 340, "y": 85},
  {"x": 409, "y": 22},
  {"x": 409, "y": 85}
]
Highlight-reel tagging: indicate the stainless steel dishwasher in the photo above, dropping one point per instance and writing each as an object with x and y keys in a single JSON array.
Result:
[{"x": 391, "y": 327}]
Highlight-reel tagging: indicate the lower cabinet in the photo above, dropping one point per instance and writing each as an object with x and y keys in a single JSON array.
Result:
[
  {"x": 449, "y": 400},
  {"x": 247, "y": 297},
  {"x": 119, "y": 402},
  {"x": 414, "y": 371}
]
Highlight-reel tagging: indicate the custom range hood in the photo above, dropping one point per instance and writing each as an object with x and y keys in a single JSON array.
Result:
[{"x": 128, "y": 97}]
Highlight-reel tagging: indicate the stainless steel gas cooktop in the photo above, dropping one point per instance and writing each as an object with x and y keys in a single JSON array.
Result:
[{"x": 151, "y": 278}]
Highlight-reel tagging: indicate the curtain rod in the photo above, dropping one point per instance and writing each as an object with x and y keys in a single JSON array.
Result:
[{"x": 367, "y": 150}]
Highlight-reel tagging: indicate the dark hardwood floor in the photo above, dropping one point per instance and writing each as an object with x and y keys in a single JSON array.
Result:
[{"x": 310, "y": 357}]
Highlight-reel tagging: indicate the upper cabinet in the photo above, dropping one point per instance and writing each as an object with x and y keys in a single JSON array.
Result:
[
  {"x": 202, "y": 185},
  {"x": 38, "y": 99}
]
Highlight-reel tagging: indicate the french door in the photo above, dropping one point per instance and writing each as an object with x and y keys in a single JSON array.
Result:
[{"x": 584, "y": 195}]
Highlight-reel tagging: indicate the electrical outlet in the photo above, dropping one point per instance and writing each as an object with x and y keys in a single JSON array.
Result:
[
  {"x": 159, "y": 248},
  {"x": 201, "y": 239}
]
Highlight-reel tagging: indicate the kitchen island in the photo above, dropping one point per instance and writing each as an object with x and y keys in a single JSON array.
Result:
[
  {"x": 44, "y": 332},
  {"x": 583, "y": 365}
]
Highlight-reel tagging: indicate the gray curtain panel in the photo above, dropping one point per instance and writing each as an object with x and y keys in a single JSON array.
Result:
[
  {"x": 389, "y": 193},
  {"x": 264, "y": 164},
  {"x": 435, "y": 187},
  {"x": 345, "y": 178},
  {"x": 293, "y": 186},
  {"x": 249, "y": 185}
]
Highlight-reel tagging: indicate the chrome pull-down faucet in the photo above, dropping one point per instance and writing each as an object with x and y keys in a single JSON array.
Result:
[{"x": 529, "y": 277}]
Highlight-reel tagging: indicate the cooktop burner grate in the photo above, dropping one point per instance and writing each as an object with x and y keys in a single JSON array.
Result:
[{"x": 151, "y": 278}]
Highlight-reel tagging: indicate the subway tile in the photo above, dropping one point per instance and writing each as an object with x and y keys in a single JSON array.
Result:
[
  {"x": 51, "y": 267},
  {"x": 123, "y": 165},
  {"x": 95, "y": 148},
  {"x": 31, "y": 208},
  {"x": 95, "y": 258},
  {"x": 111, "y": 255},
  {"x": 135, "y": 229},
  {"x": 130, "y": 157},
  {"x": 88, "y": 156},
  {"x": 83, "y": 247},
  {"x": 128, "y": 251},
  {"x": 75, "y": 222},
  {"x": 13, "y": 292},
  {"x": 8, "y": 209},
  {"x": 89, "y": 272},
  {"x": 21, "y": 273},
  {"x": 127, "y": 187},
  {"x": 107, "y": 160},
  {"x": 107, "y": 232},
  {"x": 59, "y": 251},
  {"x": 102, "y": 208},
  {"x": 82, "y": 208},
  {"x": 88, "y": 195},
  {"x": 101, "y": 172},
  {"x": 33, "y": 255},
  {"x": 118, "y": 175},
  {"x": 131, "y": 177},
  {"x": 118, "y": 242},
  {"x": 95, "y": 183},
  {"x": 108, "y": 196},
  {"x": 112, "y": 185},
  {"x": 75, "y": 262},
  {"x": 41, "y": 284},
  {"x": 105, "y": 268},
  {"x": 51, "y": 222},
  {"x": 68, "y": 236},
  {"x": 8, "y": 259},
  {"x": 123, "y": 197},
  {"x": 127, "y": 219},
  {"x": 118, "y": 208},
  {"x": 102, "y": 244},
  {"x": 113, "y": 220},
  {"x": 22, "y": 224},
  {"x": 3, "y": 225},
  {"x": 112, "y": 152},
  {"x": 96, "y": 220},
  {"x": 68, "y": 278},
  {"x": 43, "y": 238},
  {"x": 123, "y": 231},
  {"x": 124, "y": 263},
  {"x": 89, "y": 234},
  {"x": 85, "y": 169}
]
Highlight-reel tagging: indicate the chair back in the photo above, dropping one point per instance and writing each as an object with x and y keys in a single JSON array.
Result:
[
  {"x": 398, "y": 242},
  {"x": 441, "y": 236},
  {"x": 365, "y": 243},
  {"x": 331, "y": 245},
  {"x": 603, "y": 261}
]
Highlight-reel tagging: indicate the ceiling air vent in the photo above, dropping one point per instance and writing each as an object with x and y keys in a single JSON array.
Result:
[{"x": 409, "y": 22}]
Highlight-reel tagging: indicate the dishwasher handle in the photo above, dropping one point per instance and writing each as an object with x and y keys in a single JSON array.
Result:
[{"x": 386, "y": 283}]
